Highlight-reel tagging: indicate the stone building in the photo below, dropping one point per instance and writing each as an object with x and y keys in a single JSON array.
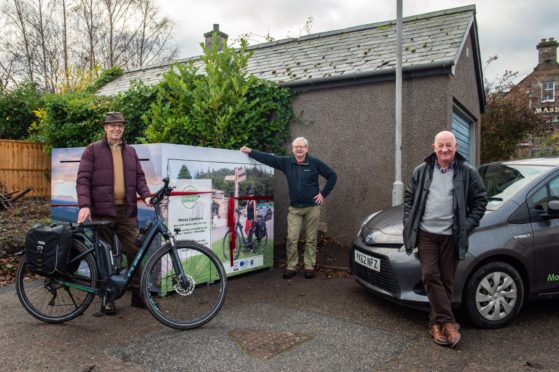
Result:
[
  {"x": 541, "y": 88},
  {"x": 345, "y": 85}
]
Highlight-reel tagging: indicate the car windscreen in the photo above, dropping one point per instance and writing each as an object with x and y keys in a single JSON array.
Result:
[{"x": 503, "y": 181}]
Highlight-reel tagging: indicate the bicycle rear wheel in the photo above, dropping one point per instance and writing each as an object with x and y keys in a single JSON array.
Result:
[
  {"x": 172, "y": 303},
  {"x": 60, "y": 297},
  {"x": 225, "y": 246}
]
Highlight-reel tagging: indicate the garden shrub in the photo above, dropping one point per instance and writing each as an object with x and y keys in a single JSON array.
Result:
[{"x": 17, "y": 109}]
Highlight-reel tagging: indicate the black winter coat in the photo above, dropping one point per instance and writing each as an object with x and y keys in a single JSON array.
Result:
[{"x": 469, "y": 202}]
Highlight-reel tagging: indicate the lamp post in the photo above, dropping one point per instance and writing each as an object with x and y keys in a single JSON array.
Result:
[{"x": 398, "y": 186}]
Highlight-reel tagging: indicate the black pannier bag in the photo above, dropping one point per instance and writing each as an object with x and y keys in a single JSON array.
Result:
[
  {"x": 268, "y": 215},
  {"x": 47, "y": 248},
  {"x": 260, "y": 230}
]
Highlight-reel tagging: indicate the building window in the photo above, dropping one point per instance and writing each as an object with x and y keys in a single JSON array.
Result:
[{"x": 548, "y": 91}]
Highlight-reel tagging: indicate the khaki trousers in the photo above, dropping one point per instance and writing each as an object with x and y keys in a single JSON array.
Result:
[{"x": 306, "y": 218}]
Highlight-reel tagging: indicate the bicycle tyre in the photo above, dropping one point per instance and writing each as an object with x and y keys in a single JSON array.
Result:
[
  {"x": 172, "y": 304},
  {"x": 55, "y": 299},
  {"x": 225, "y": 246}
]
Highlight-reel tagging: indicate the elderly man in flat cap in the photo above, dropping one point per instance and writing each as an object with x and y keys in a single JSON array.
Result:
[{"x": 109, "y": 176}]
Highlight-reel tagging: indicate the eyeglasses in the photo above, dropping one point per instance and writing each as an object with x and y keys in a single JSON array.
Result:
[
  {"x": 299, "y": 147},
  {"x": 116, "y": 125}
]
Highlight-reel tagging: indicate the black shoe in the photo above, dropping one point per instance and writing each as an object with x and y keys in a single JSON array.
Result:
[
  {"x": 137, "y": 300},
  {"x": 110, "y": 308},
  {"x": 288, "y": 274},
  {"x": 309, "y": 274}
]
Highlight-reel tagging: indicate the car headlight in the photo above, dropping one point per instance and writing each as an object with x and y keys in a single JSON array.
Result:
[
  {"x": 371, "y": 237},
  {"x": 365, "y": 222}
]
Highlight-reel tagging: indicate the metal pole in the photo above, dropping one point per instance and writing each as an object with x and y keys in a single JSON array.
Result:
[{"x": 398, "y": 186}]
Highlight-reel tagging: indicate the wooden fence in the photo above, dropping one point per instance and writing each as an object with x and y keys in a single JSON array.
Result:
[{"x": 24, "y": 164}]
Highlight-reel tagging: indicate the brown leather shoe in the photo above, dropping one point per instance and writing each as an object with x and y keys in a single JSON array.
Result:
[
  {"x": 438, "y": 336},
  {"x": 450, "y": 330}
]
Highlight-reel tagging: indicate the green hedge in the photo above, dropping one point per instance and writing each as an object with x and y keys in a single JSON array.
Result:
[
  {"x": 17, "y": 111},
  {"x": 224, "y": 107}
]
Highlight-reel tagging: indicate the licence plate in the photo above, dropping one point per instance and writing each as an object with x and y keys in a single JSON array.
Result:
[{"x": 372, "y": 263}]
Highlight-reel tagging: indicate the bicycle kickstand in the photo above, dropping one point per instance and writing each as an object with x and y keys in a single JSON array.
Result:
[{"x": 104, "y": 300}]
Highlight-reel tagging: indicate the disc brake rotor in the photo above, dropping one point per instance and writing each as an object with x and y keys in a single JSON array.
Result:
[{"x": 185, "y": 291}]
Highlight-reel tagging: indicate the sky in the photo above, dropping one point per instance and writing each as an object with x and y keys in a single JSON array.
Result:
[{"x": 508, "y": 29}]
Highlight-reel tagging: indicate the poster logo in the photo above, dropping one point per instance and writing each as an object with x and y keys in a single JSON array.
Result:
[{"x": 190, "y": 201}]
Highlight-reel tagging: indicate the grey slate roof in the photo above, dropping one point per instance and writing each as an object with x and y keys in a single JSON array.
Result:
[{"x": 429, "y": 40}]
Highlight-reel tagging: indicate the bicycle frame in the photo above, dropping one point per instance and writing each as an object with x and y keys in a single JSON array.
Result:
[{"x": 113, "y": 286}]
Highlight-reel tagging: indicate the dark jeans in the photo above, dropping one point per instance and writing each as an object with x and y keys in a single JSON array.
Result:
[
  {"x": 438, "y": 266},
  {"x": 126, "y": 230}
]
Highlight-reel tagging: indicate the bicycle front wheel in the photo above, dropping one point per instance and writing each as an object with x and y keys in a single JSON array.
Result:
[
  {"x": 59, "y": 297},
  {"x": 179, "y": 305}
]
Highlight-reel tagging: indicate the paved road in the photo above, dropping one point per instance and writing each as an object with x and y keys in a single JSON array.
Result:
[{"x": 323, "y": 325}]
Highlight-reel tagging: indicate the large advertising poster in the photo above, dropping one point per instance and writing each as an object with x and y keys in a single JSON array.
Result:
[
  {"x": 214, "y": 190},
  {"x": 233, "y": 178}
]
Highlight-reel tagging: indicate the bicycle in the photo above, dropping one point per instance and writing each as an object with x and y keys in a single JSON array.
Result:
[
  {"x": 183, "y": 283},
  {"x": 259, "y": 237}
]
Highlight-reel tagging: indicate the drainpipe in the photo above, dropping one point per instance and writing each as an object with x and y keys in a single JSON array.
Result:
[{"x": 398, "y": 186}]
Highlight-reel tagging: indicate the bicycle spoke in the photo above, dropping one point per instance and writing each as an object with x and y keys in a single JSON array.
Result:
[{"x": 71, "y": 297}]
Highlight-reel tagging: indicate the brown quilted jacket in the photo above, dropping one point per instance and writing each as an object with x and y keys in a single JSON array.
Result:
[{"x": 95, "y": 180}]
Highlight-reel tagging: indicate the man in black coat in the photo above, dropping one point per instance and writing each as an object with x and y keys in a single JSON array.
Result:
[{"x": 444, "y": 201}]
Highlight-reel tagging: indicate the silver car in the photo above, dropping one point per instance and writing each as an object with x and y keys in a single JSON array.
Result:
[{"x": 513, "y": 254}]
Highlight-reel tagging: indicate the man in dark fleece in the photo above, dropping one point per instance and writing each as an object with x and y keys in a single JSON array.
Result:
[{"x": 302, "y": 171}]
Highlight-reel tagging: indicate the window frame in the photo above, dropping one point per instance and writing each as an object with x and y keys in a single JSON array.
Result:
[{"x": 548, "y": 91}]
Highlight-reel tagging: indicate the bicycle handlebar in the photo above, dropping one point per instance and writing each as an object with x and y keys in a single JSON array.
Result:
[{"x": 165, "y": 190}]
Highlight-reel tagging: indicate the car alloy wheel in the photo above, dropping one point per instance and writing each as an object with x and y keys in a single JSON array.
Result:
[{"x": 494, "y": 295}]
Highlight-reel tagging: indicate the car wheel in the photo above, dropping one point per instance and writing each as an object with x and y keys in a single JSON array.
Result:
[{"x": 494, "y": 295}]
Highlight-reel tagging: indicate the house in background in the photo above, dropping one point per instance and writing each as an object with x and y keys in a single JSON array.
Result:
[
  {"x": 541, "y": 88},
  {"x": 345, "y": 84}
]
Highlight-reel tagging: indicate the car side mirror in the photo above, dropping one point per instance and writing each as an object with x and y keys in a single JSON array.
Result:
[{"x": 552, "y": 210}]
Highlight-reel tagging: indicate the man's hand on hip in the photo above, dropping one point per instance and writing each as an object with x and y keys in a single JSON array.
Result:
[{"x": 319, "y": 199}]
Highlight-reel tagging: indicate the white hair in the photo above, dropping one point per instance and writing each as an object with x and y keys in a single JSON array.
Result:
[{"x": 300, "y": 139}]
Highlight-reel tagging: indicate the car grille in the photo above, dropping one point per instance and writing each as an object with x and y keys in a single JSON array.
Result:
[{"x": 384, "y": 279}]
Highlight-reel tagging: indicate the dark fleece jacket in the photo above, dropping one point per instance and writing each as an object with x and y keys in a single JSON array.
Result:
[{"x": 302, "y": 178}]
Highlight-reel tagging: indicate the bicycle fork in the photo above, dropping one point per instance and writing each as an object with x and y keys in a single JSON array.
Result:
[{"x": 185, "y": 284}]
